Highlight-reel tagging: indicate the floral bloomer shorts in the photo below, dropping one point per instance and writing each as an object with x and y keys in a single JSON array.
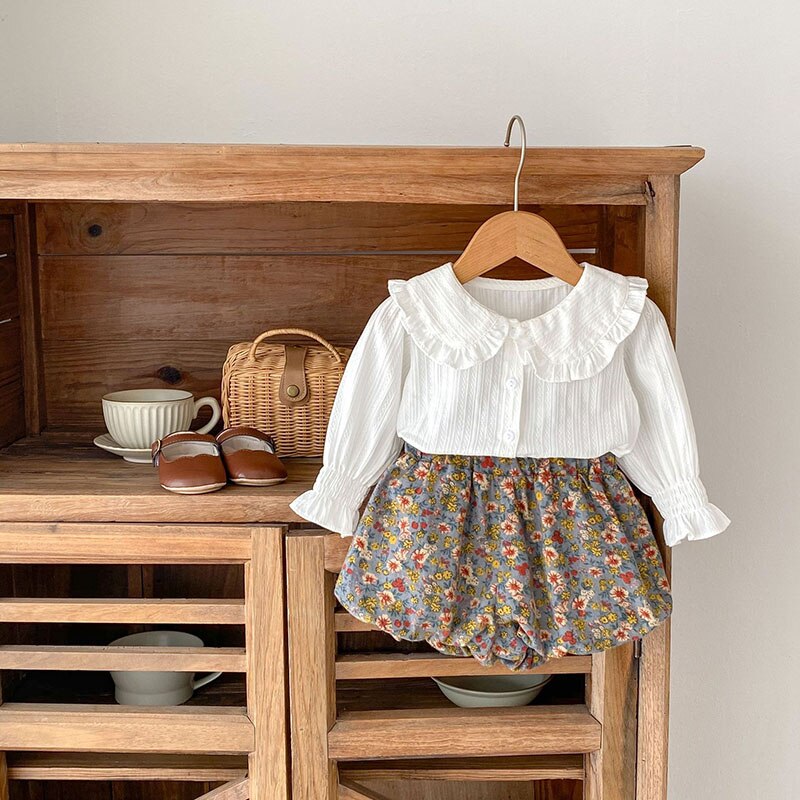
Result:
[{"x": 511, "y": 560}]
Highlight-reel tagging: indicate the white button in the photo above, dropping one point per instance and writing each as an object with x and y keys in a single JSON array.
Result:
[
  {"x": 512, "y": 383},
  {"x": 510, "y": 435}
]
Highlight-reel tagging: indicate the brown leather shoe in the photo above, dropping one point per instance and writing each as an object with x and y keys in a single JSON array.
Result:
[
  {"x": 249, "y": 457},
  {"x": 189, "y": 463}
]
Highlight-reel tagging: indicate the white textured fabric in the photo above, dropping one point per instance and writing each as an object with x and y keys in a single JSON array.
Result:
[{"x": 515, "y": 368}]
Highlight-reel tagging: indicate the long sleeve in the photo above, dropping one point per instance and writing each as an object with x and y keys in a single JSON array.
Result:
[
  {"x": 663, "y": 462},
  {"x": 361, "y": 440}
]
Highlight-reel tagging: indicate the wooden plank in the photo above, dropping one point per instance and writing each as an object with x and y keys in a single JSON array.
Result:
[
  {"x": 28, "y": 283},
  {"x": 266, "y": 665},
  {"x": 661, "y": 271},
  {"x": 312, "y": 648},
  {"x": 6, "y": 232},
  {"x": 101, "y": 297},
  {"x": 248, "y": 228},
  {"x": 9, "y": 298},
  {"x": 653, "y": 715},
  {"x": 237, "y": 789},
  {"x": 65, "y": 477},
  {"x": 336, "y": 548},
  {"x": 514, "y": 768},
  {"x": 75, "y": 543},
  {"x": 446, "y": 732},
  {"x": 12, "y": 412},
  {"x": 122, "y": 659},
  {"x": 222, "y": 173},
  {"x": 612, "y": 697},
  {"x": 420, "y": 665},
  {"x": 10, "y": 352},
  {"x": 78, "y": 373},
  {"x": 124, "y": 766},
  {"x": 132, "y": 729},
  {"x": 140, "y": 611}
]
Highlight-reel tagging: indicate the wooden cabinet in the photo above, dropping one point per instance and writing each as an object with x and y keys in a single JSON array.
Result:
[{"x": 137, "y": 266}]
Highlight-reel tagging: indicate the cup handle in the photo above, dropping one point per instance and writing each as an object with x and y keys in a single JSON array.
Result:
[
  {"x": 212, "y": 676},
  {"x": 216, "y": 412}
]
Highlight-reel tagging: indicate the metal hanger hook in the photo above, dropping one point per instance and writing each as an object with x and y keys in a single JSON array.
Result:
[{"x": 507, "y": 142}]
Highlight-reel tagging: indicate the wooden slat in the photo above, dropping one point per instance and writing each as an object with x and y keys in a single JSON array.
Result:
[
  {"x": 312, "y": 647},
  {"x": 115, "y": 610},
  {"x": 27, "y": 280},
  {"x": 420, "y": 665},
  {"x": 248, "y": 228},
  {"x": 238, "y": 789},
  {"x": 267, "y": 677},
  {"x": 514, "y": 768},
  {"x": 124, "y": 767},
  {"x": 101, "y": 297},
  {"x": 9, "y": 298},
  {"x": 661, "y": 270},
  {"x": 10, "y": 352},
  {"x": 447, "y": 732},
  {"x": 336, "y": 548},
  {"x": 76, "y": 543},
  {"x": 222, "y": 173},
  {"x": 12, "y": 412},
  {"x": 67, "y": 478},
  {"x": 610, "y": 695},
  {"x": 125, "y": 659},
  {"x": 6, "y": 232},
  {"x": 131, "y": 729}
]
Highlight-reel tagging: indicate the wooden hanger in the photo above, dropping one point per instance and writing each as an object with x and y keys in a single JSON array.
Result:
[{"x": 517, "y": 234}]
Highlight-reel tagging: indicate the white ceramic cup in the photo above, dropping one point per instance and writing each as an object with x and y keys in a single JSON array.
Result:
[
  {"x": 135, "y": 418},
  {"x": 157, "y": 688}
]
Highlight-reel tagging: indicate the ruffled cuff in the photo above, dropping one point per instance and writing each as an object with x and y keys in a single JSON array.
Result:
[
  {"x": 687, "y": 512},
  {"x": 333, "y": 503}
]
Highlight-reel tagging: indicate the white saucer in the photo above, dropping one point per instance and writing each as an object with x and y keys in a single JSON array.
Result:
[{"x": 130, "y": 454}]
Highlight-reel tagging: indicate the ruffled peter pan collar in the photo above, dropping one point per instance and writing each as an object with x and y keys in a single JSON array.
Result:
[{"x": 573, "y": 340}]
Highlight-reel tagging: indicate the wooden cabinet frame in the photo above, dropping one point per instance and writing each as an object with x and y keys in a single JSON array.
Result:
[{"x": 362, "y": 206}]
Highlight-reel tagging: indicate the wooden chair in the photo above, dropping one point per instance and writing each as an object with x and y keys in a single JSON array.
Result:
[{"x": 337, "y": 745}]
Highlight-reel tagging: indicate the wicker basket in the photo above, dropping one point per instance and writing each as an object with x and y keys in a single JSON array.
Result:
[{"x": 286, "y": 390}]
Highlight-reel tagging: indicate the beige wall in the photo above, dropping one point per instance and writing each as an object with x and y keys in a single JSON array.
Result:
[{"x": 719, "y": 74}]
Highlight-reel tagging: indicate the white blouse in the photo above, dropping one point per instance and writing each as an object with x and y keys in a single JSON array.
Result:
[{"x": 515, "y": 368}]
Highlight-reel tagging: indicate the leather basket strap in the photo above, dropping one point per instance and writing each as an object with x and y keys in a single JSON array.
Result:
[{"x": 293, "y": 390}]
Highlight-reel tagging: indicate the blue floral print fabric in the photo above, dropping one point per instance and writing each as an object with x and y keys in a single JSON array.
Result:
[{"x": 512, "y": 560}]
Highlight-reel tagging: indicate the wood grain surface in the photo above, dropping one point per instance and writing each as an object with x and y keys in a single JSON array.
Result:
[
  {"x": 67, "y": 478},
  {"x": 354, "y": 174},
  {"x": 250, "y": 228},
  {"x": 132, "y": 729},
  {"x": 448, "y": 732}
]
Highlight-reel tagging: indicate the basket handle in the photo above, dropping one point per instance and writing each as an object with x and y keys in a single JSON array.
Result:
[{"x": 299, "y": 332}]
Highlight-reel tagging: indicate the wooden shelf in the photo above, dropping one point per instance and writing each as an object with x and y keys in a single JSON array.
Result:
[
  {"x": 65, "y": 477},
  {"x": 456, "y": 732}
]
